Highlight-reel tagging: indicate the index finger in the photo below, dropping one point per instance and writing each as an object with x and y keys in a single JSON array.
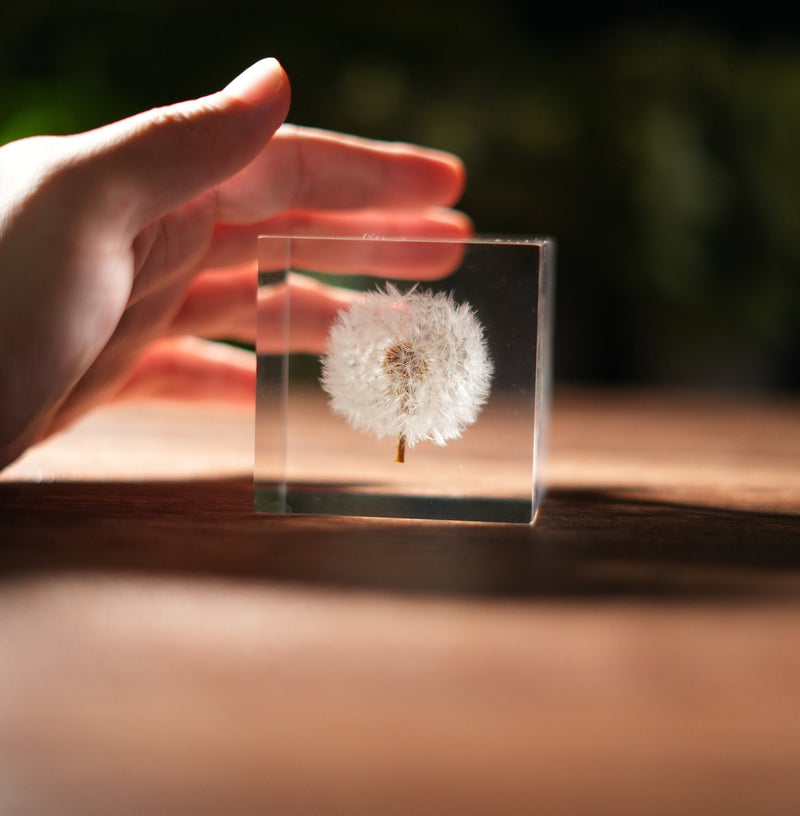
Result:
[{"x": 309, "y": 169}]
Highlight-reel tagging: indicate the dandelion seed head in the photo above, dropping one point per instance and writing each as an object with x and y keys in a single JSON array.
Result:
[{"x": 413, "y": 365}]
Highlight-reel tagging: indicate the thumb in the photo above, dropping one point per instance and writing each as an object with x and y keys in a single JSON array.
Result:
[{"x": 150, "y": 163}]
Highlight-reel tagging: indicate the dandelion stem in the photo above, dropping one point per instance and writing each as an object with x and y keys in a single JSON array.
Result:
[{"x": 401, "y": 450}]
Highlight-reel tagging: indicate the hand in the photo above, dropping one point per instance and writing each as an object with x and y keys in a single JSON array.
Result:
[{"x": 121, "y": 246}]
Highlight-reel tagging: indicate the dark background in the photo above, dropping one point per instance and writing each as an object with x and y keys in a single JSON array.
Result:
[{"x": 660, "y": 144}]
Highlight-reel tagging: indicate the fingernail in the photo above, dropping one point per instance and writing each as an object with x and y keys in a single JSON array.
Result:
[{"x": 259, "y": 82}]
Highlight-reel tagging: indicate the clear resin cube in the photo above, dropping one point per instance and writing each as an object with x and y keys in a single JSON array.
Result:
[{"x": 403, "y": 377}]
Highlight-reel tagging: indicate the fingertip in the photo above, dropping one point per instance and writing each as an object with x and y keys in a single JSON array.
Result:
[
  {"x": 455, "y": 223},
  {"x": 261, "y": 82},
  {"x": 452, "y": 175},
  {"x": 164, "y": 157},
  {"x": 459, "y": 171},
  {"x": 447, "y": 177}
]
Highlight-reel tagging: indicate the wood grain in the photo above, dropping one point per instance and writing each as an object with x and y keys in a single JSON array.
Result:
[{"x": 164, "y": 649}]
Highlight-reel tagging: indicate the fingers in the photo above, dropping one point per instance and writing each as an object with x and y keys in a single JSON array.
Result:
[
  {"x": 313, "y": 306},
  {"x": 190, "y": 369},
  {"x": 225, "y": 304},
  {"x": 307, "y": 169},
  {"x": 232, "y": 245},
  {"x": 161, "y": 159},
  {"x": 219, "y": 304},
  {"x": 413, "y": 258}
]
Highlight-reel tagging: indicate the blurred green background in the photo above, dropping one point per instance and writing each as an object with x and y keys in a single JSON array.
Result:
[{"x": 660, "y": 145}]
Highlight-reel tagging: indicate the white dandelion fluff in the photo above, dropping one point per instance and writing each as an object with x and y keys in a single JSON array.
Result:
[{"x": 411, "y": 366}]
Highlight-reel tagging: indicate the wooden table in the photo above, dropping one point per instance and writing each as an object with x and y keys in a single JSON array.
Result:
[{"x": 165, "y": 650}]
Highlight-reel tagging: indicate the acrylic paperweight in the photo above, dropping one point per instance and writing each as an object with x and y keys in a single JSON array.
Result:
[{"x": 405, "y": 378}]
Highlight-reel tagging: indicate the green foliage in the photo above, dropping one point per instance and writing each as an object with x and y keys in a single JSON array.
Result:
[{"x": 666, "y": 160}]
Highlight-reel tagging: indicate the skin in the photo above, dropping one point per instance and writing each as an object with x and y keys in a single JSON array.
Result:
[{"x": 124, "y": 248}]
